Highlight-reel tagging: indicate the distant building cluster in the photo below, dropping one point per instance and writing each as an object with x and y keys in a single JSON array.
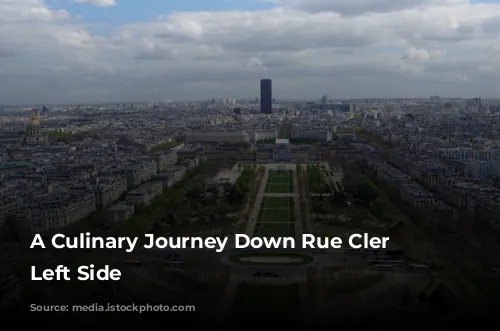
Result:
[
  {"x": 63, "y": 195},
  {"x": 447, "y": 146},
  {"x": 57, "y": 167},
  {"x": 223, "y": 137}
]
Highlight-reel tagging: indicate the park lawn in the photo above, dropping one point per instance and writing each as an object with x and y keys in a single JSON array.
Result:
[
  {"x": 274, "y": 210},
  {"x": 276, "y": 203},
  {"x": 266, "y": 299},
  {"x": 354, "y": 284},
  {"x": 278, "y": 177},
  {"x": 315, "y": 177},
  {"x": 279, "y": 182},
  {"x": 274, "y": 230},
  {"x": 267, "y": 305},
  {"x": 279, "y": 188},
  {"x": 276, "y": 174},
  {"x": 276, "y": 216}
]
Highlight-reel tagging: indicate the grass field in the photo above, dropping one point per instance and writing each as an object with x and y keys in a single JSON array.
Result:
[
  {"x": 275, "y": 218},
  {"x": 271, "y": 259},
  {"x": 355, "y": 284},
  {"x": 279, "y": 182},
  {"x": 266, "y": 302}
]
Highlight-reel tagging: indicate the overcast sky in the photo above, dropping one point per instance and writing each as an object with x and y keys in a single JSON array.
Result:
[{"x": 86, "y": 51}]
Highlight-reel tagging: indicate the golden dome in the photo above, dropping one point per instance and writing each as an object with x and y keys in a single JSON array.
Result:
[{"x": 35, "y": 119}]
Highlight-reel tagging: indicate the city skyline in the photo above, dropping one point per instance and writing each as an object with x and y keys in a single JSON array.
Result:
[
  {"x": 100, "y": 50},
  {"x": 418, "y": 180}
]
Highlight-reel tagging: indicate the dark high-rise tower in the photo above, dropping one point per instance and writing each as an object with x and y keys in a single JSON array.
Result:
[{"x": 266, "y": 96}]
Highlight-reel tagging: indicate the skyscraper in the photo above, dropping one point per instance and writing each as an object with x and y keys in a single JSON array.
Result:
[{"x": 266, "y": 96}]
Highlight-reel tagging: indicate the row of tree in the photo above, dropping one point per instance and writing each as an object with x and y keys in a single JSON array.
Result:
[{"x": 315, "y": 177}]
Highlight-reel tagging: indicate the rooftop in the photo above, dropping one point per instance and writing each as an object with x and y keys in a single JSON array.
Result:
[{"x": 13, "y": 164}]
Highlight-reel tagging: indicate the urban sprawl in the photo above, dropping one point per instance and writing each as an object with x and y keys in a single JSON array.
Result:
[{"x": 424, "y": 172}]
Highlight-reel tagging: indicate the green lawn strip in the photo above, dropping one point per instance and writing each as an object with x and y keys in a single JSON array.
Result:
[
  {"x": 279, "y": 188},
  {"x": 274, "y": 230},
  {"x": 279, "y": 182},
  {"x": 354, "y": 284},
  {"x": 275, "y": 216},
  {"x": 302, "y": 259},
  {"x": 262, "y": 301},
  {"x": 278, "y": 203}
]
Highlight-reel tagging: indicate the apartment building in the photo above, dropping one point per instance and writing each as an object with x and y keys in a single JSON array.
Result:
[
  {"x": 191, "y": 151},
  {"x": 108, "y": 190},
  {"x": 264, "y": 135},
  {"x": 495, "y": 180},
  {"x": 172, "y": 176},
  {"x": 121, "y": 211},
  {"x": 486, "y": 154},
  {"x": 416, "y": 195},
  {"x": 387, "y": 172},
  {"x": 463, "y": 193},
  {"x": 64, "y": 173},
  {"x": 315, "y": 154},
  {"x": 301, "y": 153},
  {"x": 222, "y": 136},
  {"x": 7, "y": 168},
  {"x": 299, "y": 133},
  {"x": 265, "y": 154},
  {"x": 165, "y": 161},
  {"x": 136, "y": 172},
  {"x": 144, "y": 194},
  {"x": 190, "y": 163},
  {"x": 479, "y": 199},
  {"x": 83, "y": 172},
  {"x": 57, "y": 210},
  {"x": 8, "y": 207}
]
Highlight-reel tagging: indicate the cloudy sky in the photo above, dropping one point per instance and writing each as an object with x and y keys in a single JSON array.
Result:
[{"x": 85, "y": 51}]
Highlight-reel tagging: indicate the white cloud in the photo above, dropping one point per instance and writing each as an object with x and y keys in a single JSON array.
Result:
[
  {"x": 98, "y": 3},
  {"x": 13, "y": 11},
  {"x": 356, "y": 7},
  {"x": 423, "y": 48},
  {"x": 420, "y": 54}
]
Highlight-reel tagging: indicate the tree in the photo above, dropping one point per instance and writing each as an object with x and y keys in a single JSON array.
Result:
[
  {"x": 170, "y": 219},
  {"x": 379, "y": 208},
  {"x": 367, "y": 193},
  {"x": 174, "y": 201},
  {"x": 227, "y": 187},
  {"x": 195, "y": 204},
  {"x": 156, "y": 228},
  {"x": 325, "y": 189},
  {"x": 203, "y": 219},
  {"x": 234, "y": 195},
  {"x": 194, "y": 193},
  {"x": 319, "y": 207},
  {"x": 212, "y": 190},
  {"x": 340, "y": 198}
]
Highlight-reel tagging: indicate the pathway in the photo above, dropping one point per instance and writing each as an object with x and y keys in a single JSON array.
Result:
[
  {"x": 252, "y": 220},
  {"x": 234, "y": 281},
  {"x": 296, "y": 203},
  {"x": 296, "y": 274}
]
